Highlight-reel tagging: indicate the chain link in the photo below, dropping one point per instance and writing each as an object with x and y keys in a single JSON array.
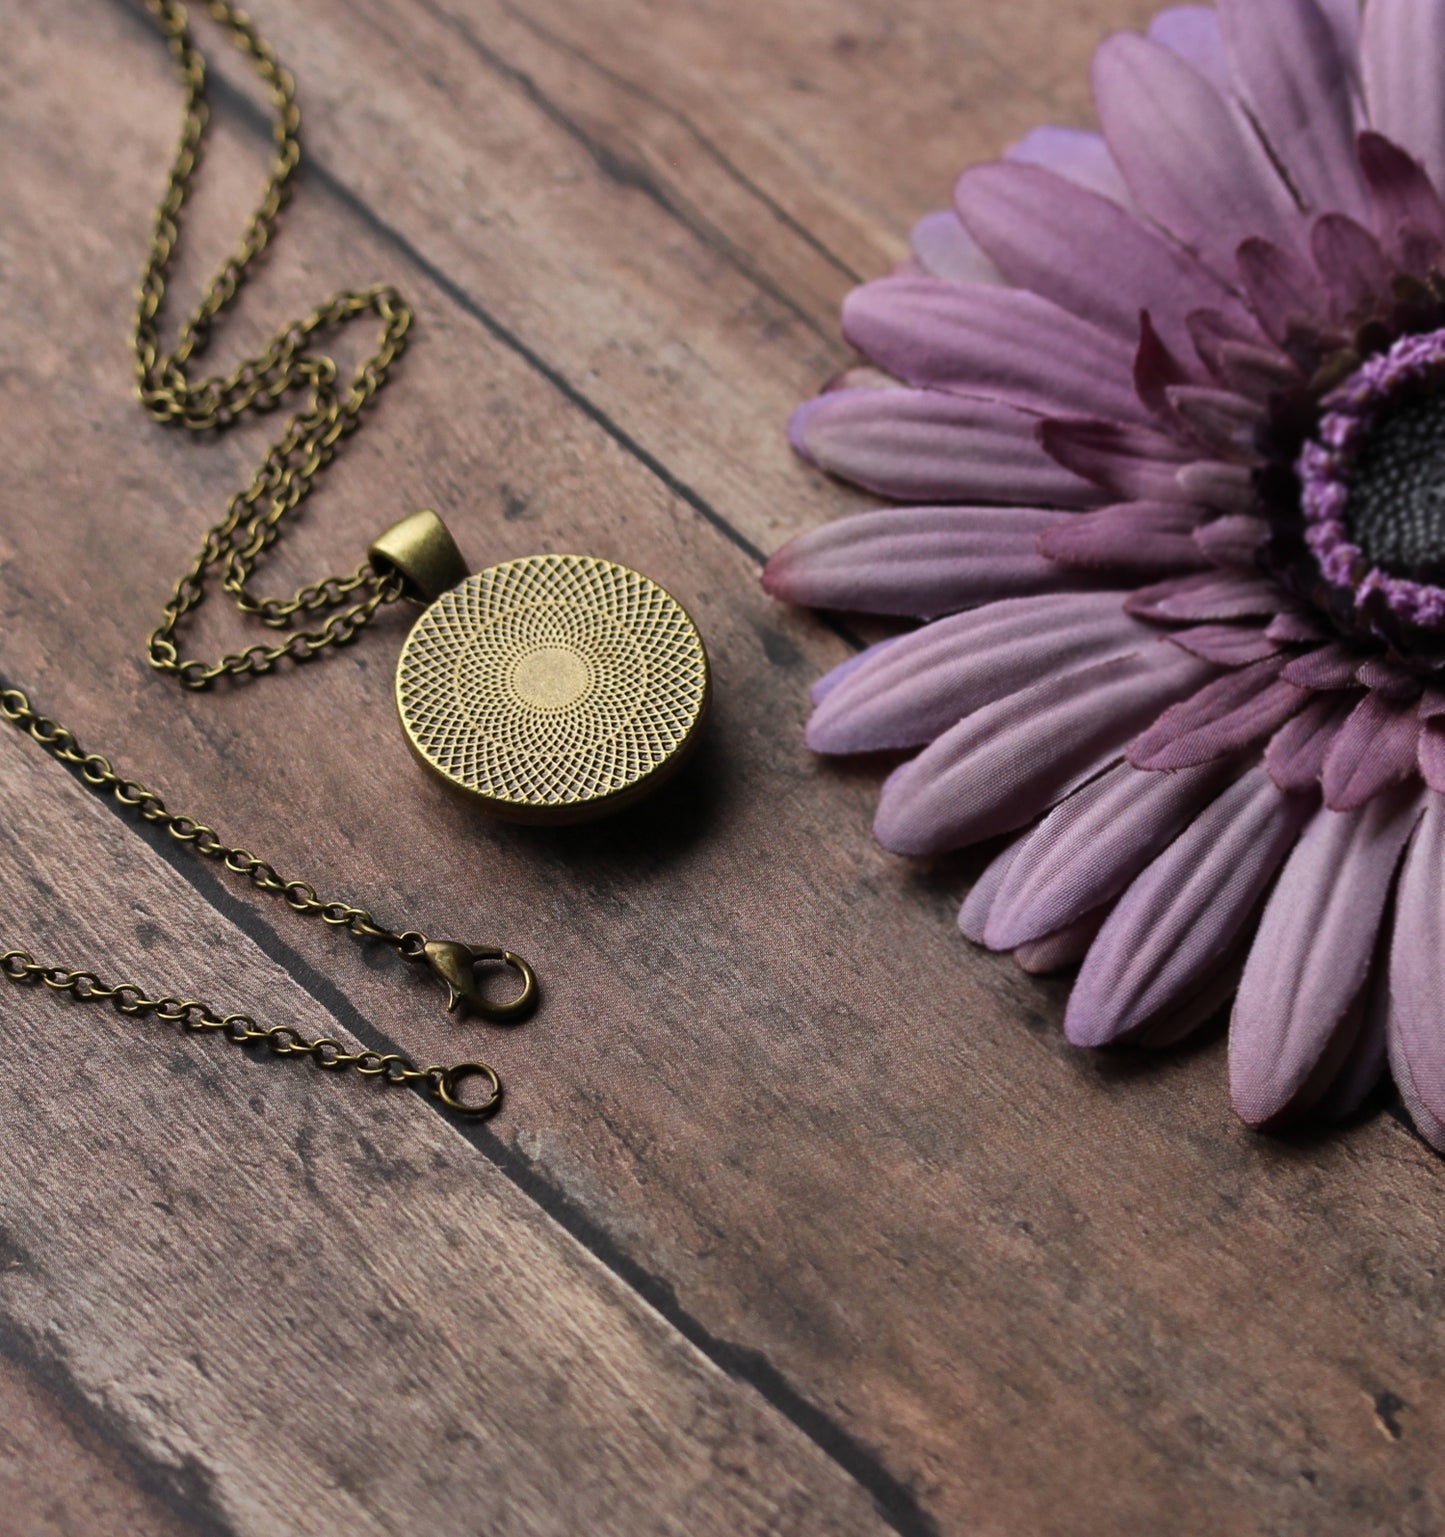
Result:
[
  {"x": 97, "y": 771},
  {"x": 255, "y": 516},
  {"x": 441, "y": 1083},
  {"x": 253, "y": 523}
]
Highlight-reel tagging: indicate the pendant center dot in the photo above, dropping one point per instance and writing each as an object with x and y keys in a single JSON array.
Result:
[{"x": 551, "y": 677}]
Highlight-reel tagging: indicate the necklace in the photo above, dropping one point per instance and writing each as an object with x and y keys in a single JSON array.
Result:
[{"x": 549, "y": 689}]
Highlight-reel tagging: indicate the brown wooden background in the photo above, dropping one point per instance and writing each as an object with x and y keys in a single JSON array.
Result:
[{"x": 800, "y": 1217}]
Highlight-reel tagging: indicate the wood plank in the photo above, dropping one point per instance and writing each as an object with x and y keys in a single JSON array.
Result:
[
  {"x": 841, "y": 1152},
  {"x": 307, "y": 1304},
  {"x": 60, "y": 1476}
]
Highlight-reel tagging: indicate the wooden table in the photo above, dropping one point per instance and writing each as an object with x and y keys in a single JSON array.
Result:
[{"x": 800, "y": 1216}]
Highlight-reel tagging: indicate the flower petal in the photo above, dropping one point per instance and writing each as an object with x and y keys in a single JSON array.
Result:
[
  {"x": 1375, "y": 750},
  {"x": 1296, "y": 754},
  {"x": 1284, "y": 290},
  {"x": 1227, "y": 645},
  {"x": 997, "y": 770},
  {"x": 992, "y": 343},
  {"x": 927, "y": 682},
  {"x": 1231, "y": 713},
  {"x": 1087, "y": 254},
  {"x": 923, "y": 446},
  {"x": 1432, "y": 756},
  {"x": 1149, "y": 538},
  {"x": 1087, "y": 850},
  {"x": 978, "y": 904},
  {"x": 1223, "y": 421},
  {"x": 1349, "y": 259},
  {"x": 1403, "y": 49},
  {"x": 1191, "y": 160},
  {"x": 1234, "y": 541},
  {"x": 1064, "y": 948},
  {"x": 1207, "y": 598},
  {"x": 943, "y": 247},
  {"x": 1329, "y": 667},
  {"x": 1363, "y": 1065},
  {"x": 1129, "y": 463},
  {"x": 1402, "y": 197},
  {"x": 1298, "y": 82},
  {"x": 1311, "y": 958},
  {"x": 1077, "y": 154},
  {"x": 1417, "y": 968},
  {"x": 918, "y": 562},
  {"x": 1192, "y": 31},
  {"x": 1182, "y": 916}
]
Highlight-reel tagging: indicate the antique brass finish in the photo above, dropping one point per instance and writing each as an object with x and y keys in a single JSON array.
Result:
[
  {"x": 555, "y": 688},
  {"x": 456, "y": 966},
  {"x": 421, "y": 551}
]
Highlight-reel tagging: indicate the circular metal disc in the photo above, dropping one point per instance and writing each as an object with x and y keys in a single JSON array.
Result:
[{"x": 555, "y": 688}]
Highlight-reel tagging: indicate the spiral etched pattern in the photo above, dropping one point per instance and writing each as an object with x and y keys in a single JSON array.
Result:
[{"x": 552, "y": 683}]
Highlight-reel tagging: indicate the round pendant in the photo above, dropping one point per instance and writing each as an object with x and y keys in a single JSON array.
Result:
[{"x": 555, "y": 688}]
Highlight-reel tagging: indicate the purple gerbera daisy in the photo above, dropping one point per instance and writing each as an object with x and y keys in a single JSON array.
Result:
[{"x": 1166, "y": 405}]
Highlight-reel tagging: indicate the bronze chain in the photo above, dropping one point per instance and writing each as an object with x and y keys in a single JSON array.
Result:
[
  {"x": 290, "y": 470},
  {"x": 252, "y": 524}
]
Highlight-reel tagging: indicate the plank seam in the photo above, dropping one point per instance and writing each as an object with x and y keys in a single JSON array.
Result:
[
  {"x": 183, "y": 1489},
  {"x": 730, "y": 168},
  {"x": 894, "y": 1498}
]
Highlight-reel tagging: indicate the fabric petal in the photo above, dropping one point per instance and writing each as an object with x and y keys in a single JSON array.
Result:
[
  {"x": 1375, "y": 750},
  {"x": 1311, "y": 957},
  {"x": 1284, "y": 291},
  {"x": 943, "y": 247},
  {"x": 1432, "y": 756},
  {"x": 1064, "y": 948},
  {"x": 1344, "y": 17},
  {"x": 1000, "y": 768},
  {"x": 1077, "y": 154},
  {"x": 1296, "y": 754},
  {"x": 1087, "y": 850},
  {"x": 1403, "y": 51},
  {"x": 992, "y": 343},
  {"x": 919, "y": 562},
  {"x": 1225, "y": 487},
  {"x": 928, "y": 681},
  {"x": 978, "y": 904},
  {"x": 1087, "y": 254},
  {"x": 1191, "y": 160},
  {"x": 1207, "y": 598},
  {"x": 1349, "y": 259},
  {"x": 1233, "y": 541},
  {"x": 1231, "y": 713},
  {"x": 1128, "y": 463},
  {"x": 1227, "y": 645},
  {"x": 1402, "y": 197},
  {"x": 924, "y": 446},
  {"x": 1363, "y": 1066},
  {"x": 1193, "y": 32},
  {"x": 1149, "y": 538},
  {"x": 1297, "y": 81},
  {"x": 1223, "y": 421},
  {"x": 1183, "y": 915},
  {"x": 1417, "y": 971},
  {"x": 1328, "y": 667}
]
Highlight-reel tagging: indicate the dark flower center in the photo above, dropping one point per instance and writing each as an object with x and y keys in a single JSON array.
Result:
[
  {"x": 1396, "y": 507},
  {"x": 1372, "y": 493}
]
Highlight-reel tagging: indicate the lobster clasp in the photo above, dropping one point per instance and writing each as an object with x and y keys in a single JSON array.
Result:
[{"x": 455, "y": 965}]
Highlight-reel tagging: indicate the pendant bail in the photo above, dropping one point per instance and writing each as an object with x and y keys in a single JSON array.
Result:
[{"x": 421, "y": 550}]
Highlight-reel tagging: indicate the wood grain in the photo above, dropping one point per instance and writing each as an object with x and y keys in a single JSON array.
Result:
[
  {"x": 1004, "y": 1288},
  {"x": 304, "y": 1304}
]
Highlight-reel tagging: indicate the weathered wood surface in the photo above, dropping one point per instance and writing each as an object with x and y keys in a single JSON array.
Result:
[{"x": 920, "y": 1246}]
